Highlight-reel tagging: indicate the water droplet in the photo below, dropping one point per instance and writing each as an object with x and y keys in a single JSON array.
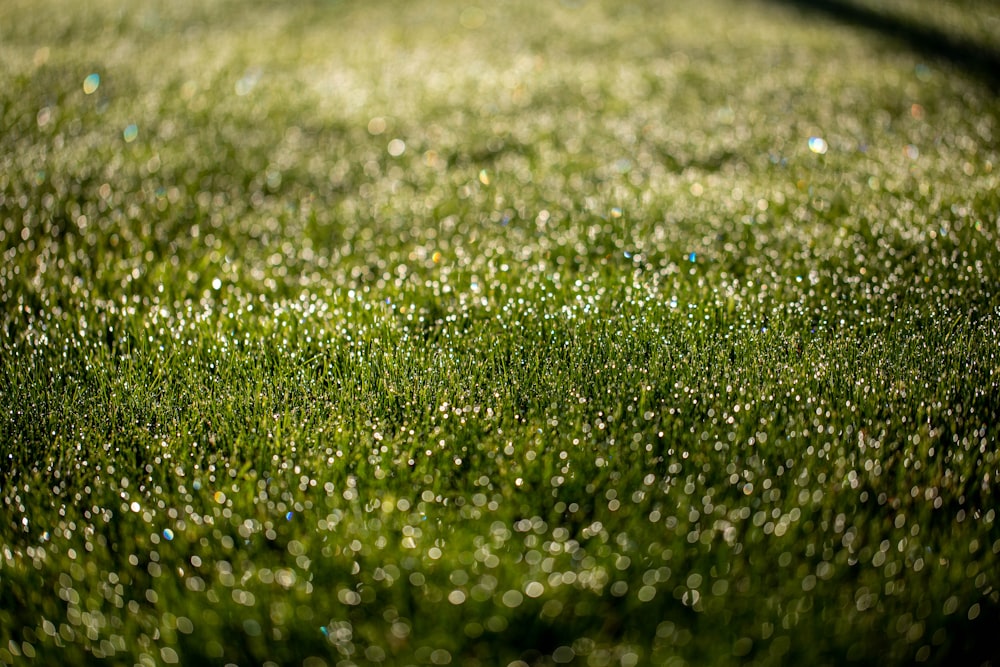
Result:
[
  {"x": 130, "y": 133},
  {"x": 818, "y": 145},
  {"x": 396, "y": 147},
  {"x": 247, "y": 82},
  {"x": 534, "y": 589},
  {"x": 91, "y": 83},
  {"x": 168, "y": 534},
  {"x": 512, "y": 598}
]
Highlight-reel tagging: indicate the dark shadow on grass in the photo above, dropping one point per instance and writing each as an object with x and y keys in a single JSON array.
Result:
[{"x": 979, "y": 60}]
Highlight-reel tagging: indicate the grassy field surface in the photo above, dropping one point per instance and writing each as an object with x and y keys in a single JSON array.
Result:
[{"x": 424, "y": 333}]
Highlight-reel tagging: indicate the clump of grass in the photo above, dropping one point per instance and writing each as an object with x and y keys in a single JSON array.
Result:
[{"x": 437, "y": 334}]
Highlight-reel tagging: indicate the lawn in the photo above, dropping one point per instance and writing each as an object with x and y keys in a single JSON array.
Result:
[{"x": 426, "y": 333}]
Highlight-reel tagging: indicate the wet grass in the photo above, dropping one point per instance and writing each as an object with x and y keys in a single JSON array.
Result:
[{"x": 426, "y": 333}]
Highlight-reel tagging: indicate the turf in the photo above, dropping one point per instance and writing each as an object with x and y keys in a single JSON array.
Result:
[{"x": 585, "y": 333}]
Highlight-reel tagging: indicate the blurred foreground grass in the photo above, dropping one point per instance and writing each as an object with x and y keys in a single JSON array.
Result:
[{"x": 427, "y": 333}]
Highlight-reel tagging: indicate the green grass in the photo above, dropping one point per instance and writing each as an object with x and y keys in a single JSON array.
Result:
[{"x": 418, "y": 333}]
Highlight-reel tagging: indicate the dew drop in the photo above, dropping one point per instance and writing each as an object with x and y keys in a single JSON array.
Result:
[
  {"x": 396, "y": 147},
  {"x": 512, "y": 598},
  {"x": 534, "y": 589},
  {"x": 818, "y": 145},
  {"x": 91, "y": 83}
]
